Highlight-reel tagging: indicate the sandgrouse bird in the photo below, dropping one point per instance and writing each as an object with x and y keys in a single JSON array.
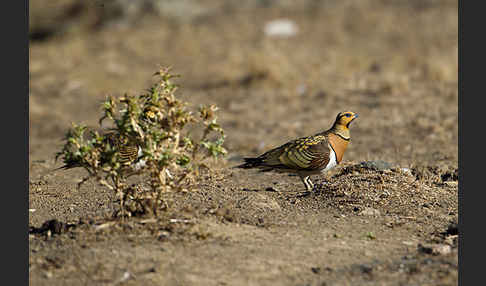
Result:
[
  {"x": 308, "y": 156},
  {"x": 130, "y": 153}
]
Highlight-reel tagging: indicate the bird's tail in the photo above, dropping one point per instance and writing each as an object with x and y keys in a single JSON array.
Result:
[
  {"x": 250, "y": 163},
  {"x": 65, "y": 167}
]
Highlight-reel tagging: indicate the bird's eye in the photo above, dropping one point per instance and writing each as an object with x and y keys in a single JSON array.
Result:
[{"x": 347, "y": 115}]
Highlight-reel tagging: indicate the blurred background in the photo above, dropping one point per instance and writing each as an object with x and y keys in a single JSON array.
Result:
[{"x": 278, "y": 69}]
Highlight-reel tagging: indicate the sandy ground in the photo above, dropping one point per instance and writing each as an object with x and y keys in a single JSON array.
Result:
[{"x": 394, "y": 63}]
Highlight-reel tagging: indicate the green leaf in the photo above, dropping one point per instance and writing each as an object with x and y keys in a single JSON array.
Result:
[{"x": 183, "y": 160}]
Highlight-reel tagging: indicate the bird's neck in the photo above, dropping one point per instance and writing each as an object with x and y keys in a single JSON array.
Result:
[{"x": 341, "y": 130}]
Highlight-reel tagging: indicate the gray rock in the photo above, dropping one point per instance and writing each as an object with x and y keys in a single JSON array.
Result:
[{"x": 377, "y": 165}]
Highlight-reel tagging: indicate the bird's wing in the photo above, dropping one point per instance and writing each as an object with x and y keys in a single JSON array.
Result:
[
  {"x": 128, "y": 154},
  {"x": 309, "y": 153},
  {"x": 128, "y": 150}
]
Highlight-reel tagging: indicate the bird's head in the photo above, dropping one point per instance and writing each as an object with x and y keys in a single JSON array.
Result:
[{"x": 343, "y": 119}]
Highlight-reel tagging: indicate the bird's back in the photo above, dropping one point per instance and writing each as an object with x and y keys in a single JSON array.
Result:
[{"x": 306, "y": 153}]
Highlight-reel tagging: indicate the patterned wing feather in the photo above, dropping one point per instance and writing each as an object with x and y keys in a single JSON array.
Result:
[
  {"x": 308, "y": 153},
  {"x": 128, "y": 150},
  {"x": 128, "y": 154}
]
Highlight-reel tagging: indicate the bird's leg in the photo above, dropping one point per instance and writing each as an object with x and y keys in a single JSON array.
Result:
[
  {"x": 310, "y": 183},
  {"x": 307, "y": 182}
]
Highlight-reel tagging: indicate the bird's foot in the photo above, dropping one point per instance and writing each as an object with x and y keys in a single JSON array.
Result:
[{"x": 309, "y": 191}]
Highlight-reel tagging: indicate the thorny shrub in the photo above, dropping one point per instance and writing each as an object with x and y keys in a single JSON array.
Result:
[{"x": 150, "y": 137}]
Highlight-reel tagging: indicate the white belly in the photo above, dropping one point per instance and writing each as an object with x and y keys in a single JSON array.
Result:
[
  {"x": 332, "y": 161},
  {"x": 141, "y": 163}
]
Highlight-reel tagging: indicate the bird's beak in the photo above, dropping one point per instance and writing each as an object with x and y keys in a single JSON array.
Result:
[{"x": 355, "y": 116}]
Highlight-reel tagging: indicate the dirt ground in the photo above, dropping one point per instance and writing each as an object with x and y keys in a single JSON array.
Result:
[{"x": 393, "y": 62}]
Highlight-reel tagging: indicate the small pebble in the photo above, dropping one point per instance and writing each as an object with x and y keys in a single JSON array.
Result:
[
  {"x": 435, "y": 249},
  {"x": 370, "y": 212}
]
